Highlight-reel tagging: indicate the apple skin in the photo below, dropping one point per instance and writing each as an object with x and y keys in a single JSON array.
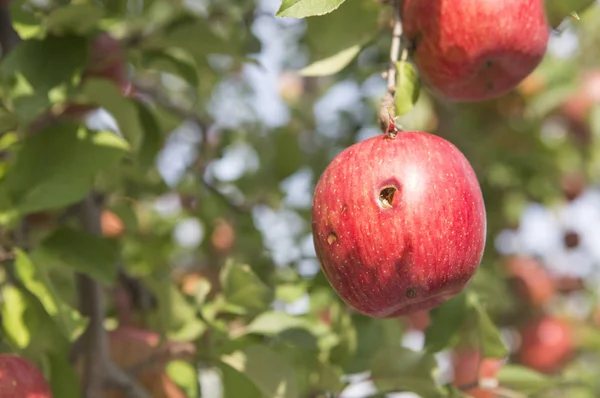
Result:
[
  {"x": 131, "y": 346},
  {"x": 577, "y": 107},
  {"x": 392, "y": 260},
  {"x": 546, "y": 344},
  {"x": 21, "y": 378},
  {"x": 475, "y": 50},
  {"x": 112, "y": 225},
  {"x": 468, "y": 370}
]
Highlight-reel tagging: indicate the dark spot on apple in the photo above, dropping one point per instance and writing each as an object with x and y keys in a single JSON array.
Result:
[
  {"x": 332, "y": 238},
  {"x": 411, "y": 292},
  {"x": 386, "y": 197},
  {"x": 488, "y": 63}
]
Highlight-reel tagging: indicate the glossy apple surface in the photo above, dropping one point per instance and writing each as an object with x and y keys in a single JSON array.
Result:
[
  {"x": 21, "y": 378},
  {"x": 546, "y": 344},
  {"x": 399, "y": 223},
  {"x": 474, "y": 50}
]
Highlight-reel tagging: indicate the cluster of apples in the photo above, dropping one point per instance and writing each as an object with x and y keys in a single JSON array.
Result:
[{"x": 399, "y": 222}]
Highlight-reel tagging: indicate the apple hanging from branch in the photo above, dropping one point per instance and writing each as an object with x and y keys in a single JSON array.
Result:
[
  {"x": 399, "y": 224},
  {"x": 474, "y": 50}
]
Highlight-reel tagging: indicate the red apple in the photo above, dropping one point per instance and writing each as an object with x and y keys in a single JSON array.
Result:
[
  {"x": 112, "y": 225},
  {"x": 20, "y": 378},
  {"x": 577, "y": 107},
  {"x": 131, "y": 347},
  {"x": 546, "y": 344},
  {"x": 474, "y": 50},
  {"x": 469, "y": 369},
  {"x": 419, "y": 321},
  {"x": 399, "y": 224},
  {"x": 530, "y": 279}
]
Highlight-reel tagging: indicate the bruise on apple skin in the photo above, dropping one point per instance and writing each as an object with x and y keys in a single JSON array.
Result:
[
  {"x": 473, "y": 50},
  {"x": 408, "y": 219}
]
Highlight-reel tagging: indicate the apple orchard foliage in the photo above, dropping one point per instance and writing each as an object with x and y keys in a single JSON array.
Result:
[{"x": 190, "y": 80}]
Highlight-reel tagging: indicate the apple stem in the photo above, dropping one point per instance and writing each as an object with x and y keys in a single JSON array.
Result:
[{"x": 387, "y": 113}]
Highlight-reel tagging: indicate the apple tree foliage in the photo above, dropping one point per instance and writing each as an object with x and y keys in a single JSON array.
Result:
[{"x": 247, "y": 304}]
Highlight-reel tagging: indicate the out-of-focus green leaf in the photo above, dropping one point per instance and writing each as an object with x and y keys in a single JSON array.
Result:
[
  {"x": 331, "y": 34},
  {"x": 307, "y": 8},
  {"x": 64, "y": 381},
  {"x": 446, "y": 323},
  {"x": 401, "y": 369},
  {"x": 524, "y": 380},
  {"x": 185, "y": 376},
  {"x": 408, "y": 87},
  {"x": 13, "y": 309},
  {"x": 492, "y": 345},
  {"x": 290, "y": 292},
  {"x": 558, "y": 10},
  {"x": 236, "y": 383},
  {"x": 108, "y": 95},
  {"x": 243, "y": 288},
  {"x": 152, "y": 139},
  {"x": 37, "y": 281},
  {"x": 74, "y": 18},
  {"x": 89, "y": 254},
  {"x": 333, "y": 64},
  {"x": 268, "y": 370},
  {"x": 37, "y": 181}
]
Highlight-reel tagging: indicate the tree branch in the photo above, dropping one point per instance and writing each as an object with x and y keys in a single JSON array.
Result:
[
  {"x": 9, "y": 38},
  {"x": 98, "y": 369}
]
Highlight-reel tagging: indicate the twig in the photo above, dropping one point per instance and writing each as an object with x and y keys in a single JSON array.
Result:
[
  {"x": 387, "y": 109},
  {"x": 98, "y": 369},
  {"x": 9, "y": 38}
]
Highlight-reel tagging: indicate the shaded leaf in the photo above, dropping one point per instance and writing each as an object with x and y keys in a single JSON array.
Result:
[
  {"x": 307, "y": 8},
  {"x": 152, "y": 140},
  {"x": 446, "y": 323},
  {"x": 268, "y": 370},
  {"x": 37, "y": 181},
  {"x": 402, "y": 369},
  {"x": 237, "y": 384},
  {"x": 243, "y": 288},
  {"x": 89, "y": 254},
  {"x": 408, "y": 87},
  {"x": 558, "y": 10},
  {"x": 491, "y": 343}
]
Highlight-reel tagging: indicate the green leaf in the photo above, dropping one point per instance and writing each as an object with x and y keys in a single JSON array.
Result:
[
  {"x": 446, "y": 323},
  {"x": 288, "y": 155},
  {"x": 402, "y": 369},
  {"x": 290, "y": 292},
  {"x": 558, "y": 10},
  {"x": 171, "y": 63},
  {"x": 243, "y": 288},
  {"x": 185, "y": 376},
  {"x": 331, "y": 34},
  {"x": 177, "y": 317},
  {"x": 236, "y": 384},
  {"x": 108, "y": 95},
  {"x": 307, "y": 8},
  {"x": 14, "y": 306},
  {"x": 152, "y": 140},
  {"x": 268, "y": 370},
  {"x": 74, "y": 18},
  {"x": 89, "y": 254},
  {"x": 37, "y": 181},
  {"x": 524, "y": 380},
  {"x": 271, "y": 323},
  {"x": 48, "y": 62},
  {"x": 64, "y": 381},
  {"x": 37, "y": 281},
  {"x": 408, "y": 87},
  {"x": 491, "y": 343},
  {"x": 333, "y": 64}
]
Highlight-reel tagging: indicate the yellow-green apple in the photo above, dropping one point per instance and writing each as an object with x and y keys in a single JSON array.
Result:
[
  {"x": 474, "y": 50},
  {"x": 399, "y": 224}
]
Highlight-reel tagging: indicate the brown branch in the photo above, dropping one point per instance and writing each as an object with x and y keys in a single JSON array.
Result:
[{"x": 98, "y": 369}]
